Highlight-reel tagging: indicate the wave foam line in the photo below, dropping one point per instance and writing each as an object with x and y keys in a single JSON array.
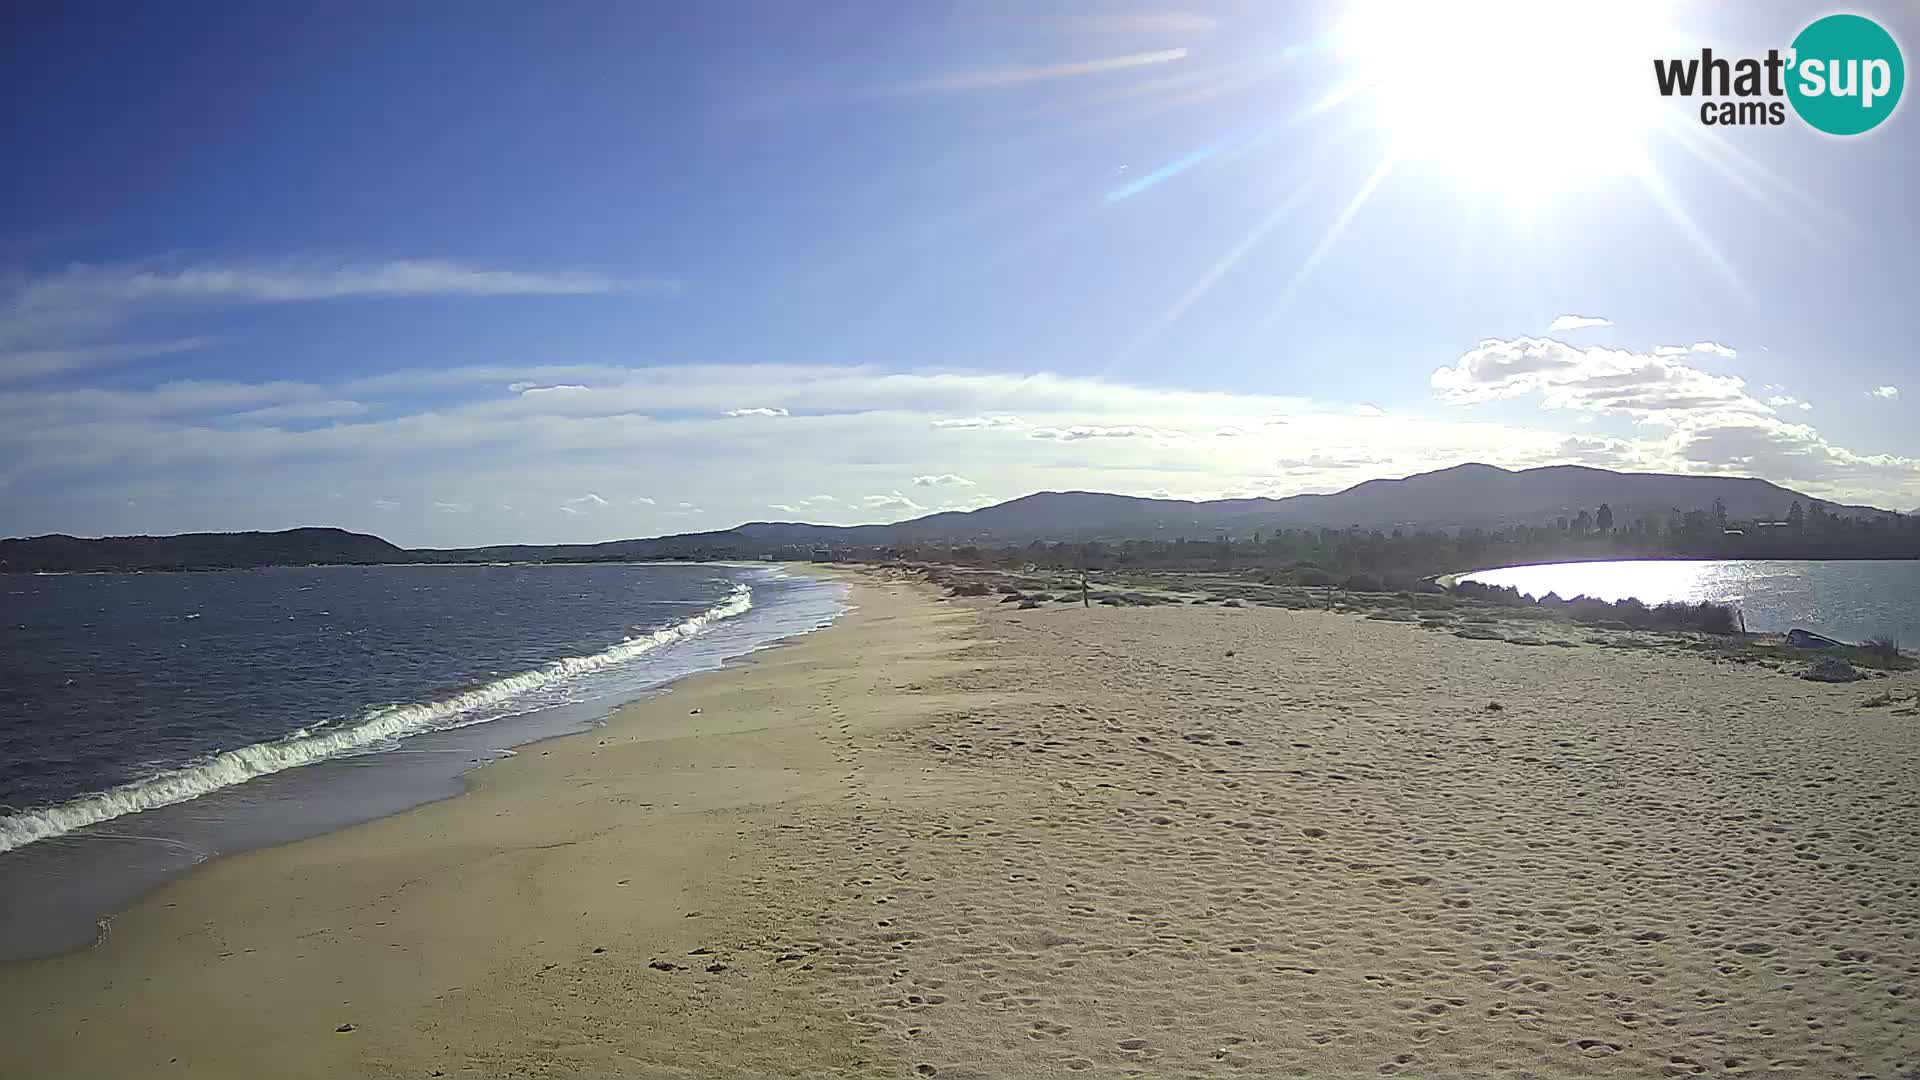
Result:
[{"x": 303, "y": 748}]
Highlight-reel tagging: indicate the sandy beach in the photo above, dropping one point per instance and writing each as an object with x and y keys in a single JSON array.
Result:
[{"x": 950, "y": 838}]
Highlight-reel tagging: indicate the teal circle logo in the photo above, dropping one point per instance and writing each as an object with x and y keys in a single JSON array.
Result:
[{"x": 1846, "y": 74}]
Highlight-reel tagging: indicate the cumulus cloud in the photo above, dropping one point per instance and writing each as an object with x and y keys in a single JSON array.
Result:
[
  {"x": 1714, "y": 423},
  {"x": 1886, "y": 392},
  {"x": 1594, "y": 379},
  {"x": 1575, "y": 322},
  {"x": 942, "y": 480},
  {"x": 755, "y": 412}
]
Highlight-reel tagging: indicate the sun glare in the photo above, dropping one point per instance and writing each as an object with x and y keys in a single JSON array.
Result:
[{"x": 1521, "y": 97}]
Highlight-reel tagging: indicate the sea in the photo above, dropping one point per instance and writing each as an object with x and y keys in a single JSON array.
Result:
[
  {"x": 1848, "y": 600},
  {"x": 152, "y": 721}
]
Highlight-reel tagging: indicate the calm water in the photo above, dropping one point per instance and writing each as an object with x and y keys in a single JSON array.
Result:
[
  {"x": 150, "y": 721},
  {"x": 1846, "y": 600}
]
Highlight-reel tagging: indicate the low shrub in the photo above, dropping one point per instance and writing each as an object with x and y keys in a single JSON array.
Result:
[{"x": 1886, "y": 648}]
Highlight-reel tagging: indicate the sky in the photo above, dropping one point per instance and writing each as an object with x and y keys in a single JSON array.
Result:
[{"x": 460, "y": 274}]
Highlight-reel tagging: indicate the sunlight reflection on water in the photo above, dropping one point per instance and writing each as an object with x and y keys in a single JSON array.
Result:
[{"x": 1850, "y": 600}]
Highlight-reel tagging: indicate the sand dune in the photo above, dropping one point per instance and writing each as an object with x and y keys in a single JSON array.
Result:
[{"x": 956, "y": 839}]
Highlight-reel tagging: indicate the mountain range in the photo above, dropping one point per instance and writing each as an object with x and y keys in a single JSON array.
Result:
[{"x": 1463, "y": 496}]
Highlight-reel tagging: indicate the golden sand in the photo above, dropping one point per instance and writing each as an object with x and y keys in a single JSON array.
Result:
[{"x": 954, "y": 839}]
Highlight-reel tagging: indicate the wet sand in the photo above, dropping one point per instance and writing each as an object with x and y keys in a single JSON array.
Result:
[{"x": 955, "y": 839}]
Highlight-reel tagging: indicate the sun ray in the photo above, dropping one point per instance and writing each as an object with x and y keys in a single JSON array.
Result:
[
  {"x": 1339, "y": 225},
  {"x": 1663, "y": 196},
  {"x": 1748, "y": 175},
  {"x": 1214, "y": 273}
]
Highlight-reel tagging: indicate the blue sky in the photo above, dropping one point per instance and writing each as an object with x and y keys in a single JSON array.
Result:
[{"x": 469, "y": 273}]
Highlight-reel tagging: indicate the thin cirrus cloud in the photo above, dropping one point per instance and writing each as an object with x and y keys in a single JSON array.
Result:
[
  {"x": 1014, "y": 76},
  {"x": 759, "y": 411},
  {"x": 53, "y": 323},
  {"x": 33, "y": 363},
  {"x": 293, "y": 280}
]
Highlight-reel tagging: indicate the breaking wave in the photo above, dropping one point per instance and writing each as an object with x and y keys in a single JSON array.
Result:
[{"x": 382, "y": 724}]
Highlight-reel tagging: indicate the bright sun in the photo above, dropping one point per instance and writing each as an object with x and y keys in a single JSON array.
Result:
[{"x": 1520, "y": 98}]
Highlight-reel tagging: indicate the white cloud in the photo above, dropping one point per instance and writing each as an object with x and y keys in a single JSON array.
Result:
[
  {"x": 526, "y": 388},
  {"x": 892, "y": 501},
  {"x": 1887, "y": 392},
  {"x": 1713, "y": 348},
  {"x": 1787, "y": 401},
  {"x": 1656, "y": 387},
  {"x": 1096, "y": 431},
  {"x": 755, "y": 412},
  {"x": 332, "y": 409},
  {"x": 936, "y": 480},
  {"x": 1368, "y": 409},
  {"x": 290, "y": 280},
  {"x": 71, "y": 458},
  {"x": 452, "y": 507},
  {"x": 974, "y": 422},
  {"x": 36, "y": 363},
  {"x": 1575, "y": 322}
]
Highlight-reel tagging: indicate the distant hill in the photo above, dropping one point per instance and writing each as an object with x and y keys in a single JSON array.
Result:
[
  {"x": 1463, "y": 496},
  {"x": 197, "y": 551}
]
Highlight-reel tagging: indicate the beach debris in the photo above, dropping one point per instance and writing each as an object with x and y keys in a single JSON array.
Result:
[
  {"x": 1494, "y": 706},
  {"x": 1831, "y": 669},
  {"x": 665, "y": 965},
  {"x": 599, "y": 948},
  {"x": 344, "y": 1028},
  {"x": 693, "y": 712},
  {"x": 1807, "y": 639}
]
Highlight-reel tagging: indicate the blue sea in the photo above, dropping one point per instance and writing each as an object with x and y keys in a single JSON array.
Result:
[
  {"x": 149, "y": 722},
  {"x": 1848, "y": 600}
]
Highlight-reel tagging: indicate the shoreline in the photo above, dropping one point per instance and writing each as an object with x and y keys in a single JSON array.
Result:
[
  {"x": 49, "y": 876},
  {"x": 954, "y": 838}
]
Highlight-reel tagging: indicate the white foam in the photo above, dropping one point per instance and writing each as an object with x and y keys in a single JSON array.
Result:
[{"x": 304, "y": 747}]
